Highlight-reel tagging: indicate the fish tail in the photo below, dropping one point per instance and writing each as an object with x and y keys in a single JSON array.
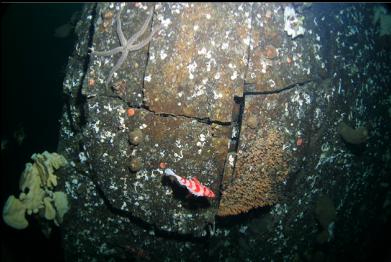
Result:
[{"x": 170, "y": 172}]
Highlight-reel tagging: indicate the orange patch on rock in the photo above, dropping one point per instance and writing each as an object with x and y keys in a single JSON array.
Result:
[
  {"x": 271, "y": 52},
  {"x": 163, "y": 165},
  {"x": 131, "y": 112},
  {"x": 299, "y": 141},
  {"x": 91, "y": 82}
]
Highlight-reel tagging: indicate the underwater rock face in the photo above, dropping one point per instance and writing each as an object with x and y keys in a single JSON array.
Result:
[
  {"x": 293, "y": 23},
  {"x": 130, "y": 74},
  {"x": 294, "y": 61},
  {"x": 198, "y": 63},
  {"x": 189, "y": 147},
  {"x": 268, "y": 150},
  {"x": 289, "y": 101}
]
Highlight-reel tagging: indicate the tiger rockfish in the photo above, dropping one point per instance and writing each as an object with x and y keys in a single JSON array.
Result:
[{"x": 193, "y": 185}]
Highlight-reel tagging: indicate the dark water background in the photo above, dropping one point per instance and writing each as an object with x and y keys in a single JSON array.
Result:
[{"x": 33, "y": 64}]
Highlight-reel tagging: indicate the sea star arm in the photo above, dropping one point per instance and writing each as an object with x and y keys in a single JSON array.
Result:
[
  {"x": 144, "y": 42},
  {"x": 119, "y": 63},
  {"x": 142, "y": 29},
  {"x": 120, "y": 34},
  {"x": 127, "y": 45},
  {"x": 110, "y": 52}
]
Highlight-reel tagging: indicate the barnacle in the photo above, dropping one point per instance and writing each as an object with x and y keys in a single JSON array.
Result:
[
  {"x": 136, "y": 137},
  {"x": 136, "y": 164}
]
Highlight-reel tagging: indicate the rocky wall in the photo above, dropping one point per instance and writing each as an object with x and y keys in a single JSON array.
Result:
[{"x": 247, "y": 97}]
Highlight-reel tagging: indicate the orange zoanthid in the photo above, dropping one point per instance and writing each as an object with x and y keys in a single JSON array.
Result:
[
  {"x": 163, "y": 165},
  {"x": 299, "y": 141},
  {"x": 131, "y": 111}
]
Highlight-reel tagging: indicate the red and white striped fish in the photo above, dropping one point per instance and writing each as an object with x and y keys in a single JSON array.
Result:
[{"x": 193, "y": 185}]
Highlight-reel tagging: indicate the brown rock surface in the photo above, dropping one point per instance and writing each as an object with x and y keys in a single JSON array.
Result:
[{"x": 198, "y": 63}]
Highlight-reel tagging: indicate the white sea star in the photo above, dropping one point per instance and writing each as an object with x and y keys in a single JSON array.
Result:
[{"x": 127, "y": 45}]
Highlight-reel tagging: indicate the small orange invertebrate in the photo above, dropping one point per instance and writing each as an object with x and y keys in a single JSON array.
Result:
[
  {"x": 163, "y": 165},
  {"x": 299, "y": 141},
  {"x": 91, "y": 82},
  {"x": 131, "y": 112},
  {"x": 108, "y": 15}
]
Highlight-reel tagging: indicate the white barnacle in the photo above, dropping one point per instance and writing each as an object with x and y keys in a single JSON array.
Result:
[
  {"x": 307, "y": 98},
  {"x": 163, "y": 54},
  {"x": 231, "y": 160},
  {"x": 152, "y": 56},
  {"x": 82, "y": 157},
  {"x": 235, "y": 132},
  {"x": 246, "y": 40},
  {"x": 202, "y": 51},
  {"x": 178, "y": 156},
  {"x": 234, "y": 75},
  {"x": 271, "y": 83},
  {"x": 178, "y": 143},
  {"x": 191, "y": 68},
  {"x": 123, "y": 206},
  {"x": 217, "y": 95},
  {"x": 165, "y": 22},
  {"x": 208, "y": 55},
  {"x": 148, "y": 78},
  {"x": 108, "y": 107},
  {"x": 95, "y": 126},
  {"x": 264, "y": 66},
  {"x": 325, "y": 147},
  {"x": 243, "y": 229}
]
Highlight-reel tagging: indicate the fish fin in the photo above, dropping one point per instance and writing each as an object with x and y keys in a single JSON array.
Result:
[
  {"x": 169, "y": 172},
  {"x": 188, "y": 195}
]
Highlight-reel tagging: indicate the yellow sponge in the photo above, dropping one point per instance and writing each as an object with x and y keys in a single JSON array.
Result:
[
  {"x": 61, "y": 204},
  {"x": 13, "y": 213},
  {"x": 36, "y": 183}
]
